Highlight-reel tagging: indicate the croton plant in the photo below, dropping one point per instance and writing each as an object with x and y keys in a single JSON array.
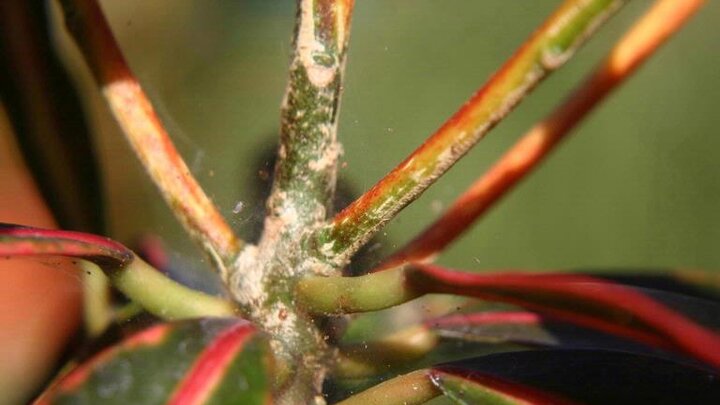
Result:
[{"x": 284, "y": 330}]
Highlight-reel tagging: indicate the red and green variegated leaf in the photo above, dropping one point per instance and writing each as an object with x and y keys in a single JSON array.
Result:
[
  {"x": 462, "y": 386},
  {"x": 494, "y": 327},
  {"x": 204, "y": 361},
  {"x": 526, "y": 330},
  {"x": 689, "y": 282},
  {"x": 586, "y": 376},
  {"x": 467, "y": 388},
  {"x": 587, "y": 301},
  {"x": 529, "y": 329},
  {"x": 17, "y": 240},
  {"x": 143, "y": 284}
]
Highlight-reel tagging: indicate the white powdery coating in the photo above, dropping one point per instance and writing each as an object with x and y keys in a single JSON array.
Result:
[
  {"x": 319, "y": 76},
  {"x": 328, "y": 160},
  {"x": 327, "y": 249},
  {"x": 285, "y": 325},
  {"x": 247, "y": 278},
  {"x": 288, "y": 215}
]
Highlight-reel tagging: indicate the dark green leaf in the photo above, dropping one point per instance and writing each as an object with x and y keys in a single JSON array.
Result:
[
  {"x": 590, "y": 302},
  {"x": 206, "y": 361},
  {"x": 469, "y": 389},
  {"x": 586, "y": 376}
]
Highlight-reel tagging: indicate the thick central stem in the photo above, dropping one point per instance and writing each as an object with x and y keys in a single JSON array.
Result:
[
  {"x": 263, "y": 282},
  {"x": 264, "y": 277}
]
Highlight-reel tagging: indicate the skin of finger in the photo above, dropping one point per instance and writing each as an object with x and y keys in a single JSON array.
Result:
[{"x": 40, "y": 302}]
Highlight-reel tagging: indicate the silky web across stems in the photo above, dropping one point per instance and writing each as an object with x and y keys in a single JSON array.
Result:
[
  {"x": 664, "y": 19},
  {"x": 546, "y": 50},
  {"x": 146, "y": 134}
]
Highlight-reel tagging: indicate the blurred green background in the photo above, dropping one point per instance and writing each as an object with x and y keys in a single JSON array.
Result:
[{"x": 638, "y": 184}]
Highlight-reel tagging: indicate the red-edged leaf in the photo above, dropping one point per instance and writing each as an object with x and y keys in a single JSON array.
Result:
[
  {"x": 695, "y": 283},
  {"x": 587, "y": 301},
  {"x": 492, "y": 327},
  {"x": 466, "y": 387},
  {"x": 158, "y": 294},
  {"x": 17, "y": 240},
  {"x": 206, "y": 361},
  {"x": 524, "y": 328},
  {"x": 585, "y": 376},
  {"x": 506, "y": 331}
]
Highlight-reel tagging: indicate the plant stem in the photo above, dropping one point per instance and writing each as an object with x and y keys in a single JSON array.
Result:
[
  {"x": 146, "y": 134},
  {"x": 410, "y": 389},
  {"x": 164, "y": 297},
  {"x": 664, "y": 19},
  {"x": 97, "y": 308},
  {"x": 127, "y": 312},
  {"x": 546, "y": 50},
  {"x": 334, "y": 295},
  {"x": 306, "y": 170},
  {"x": 263, "y": 278}
]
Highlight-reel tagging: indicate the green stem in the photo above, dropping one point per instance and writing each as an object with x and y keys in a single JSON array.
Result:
[
  {"x": 548, "y": 49},
  {"x": 263, "y": 278},
  {"x": 127, "y": 312},
  {"x": 97, "y": 309},
  {"x": 395, "y": 286},
  {"x": 164, "y": 297},
  {"x": 335, "y": 295},
  {"x": 306, "y": 170},
  {"x": 410, "y": 389}
]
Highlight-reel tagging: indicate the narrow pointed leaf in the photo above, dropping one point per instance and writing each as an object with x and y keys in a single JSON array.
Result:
[
  {"x": 17, "y": 240},
  {"x": 414, "y": 388},
  {"x": 586, "y": 376},
  {"x": 697, "y": 283},
  {"x": 524, "y": 328},
  {"x": 157, "y": 293},
  {"x": 205, "y": 361},
  {"x": 520, "y": 330},
  {"x": 583, "y": 300},
  {"x": 468, "y": 388}
]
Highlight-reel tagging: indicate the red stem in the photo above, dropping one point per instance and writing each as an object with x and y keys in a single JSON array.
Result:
[
  {"x": 659, "y": 23},
  {"x": 146, "y": 133}
]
